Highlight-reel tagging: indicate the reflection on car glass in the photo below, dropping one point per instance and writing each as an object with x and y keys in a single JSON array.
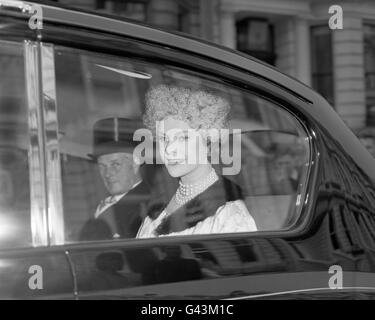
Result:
[
  {"x": 265, "y": 179},
  {"x": 15, "y": 151},
  {"x": 134, "y": 74}
]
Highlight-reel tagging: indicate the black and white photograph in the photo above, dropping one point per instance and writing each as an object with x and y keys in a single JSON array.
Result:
[{"x": 191, "y": 152}]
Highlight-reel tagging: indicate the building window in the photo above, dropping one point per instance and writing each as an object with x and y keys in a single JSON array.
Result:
[
  {"x": 369, "y": 57},
  {"x": 322, "y": 62},
  {"x": 255, "y": 37},
  {"x": 134, "y": 9},
  {"x": 183, "y": 20}
]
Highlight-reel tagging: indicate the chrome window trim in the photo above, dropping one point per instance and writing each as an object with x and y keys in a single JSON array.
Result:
[
  {"x": 52, "y": 152},
  {"x": 38, "y": 200}
]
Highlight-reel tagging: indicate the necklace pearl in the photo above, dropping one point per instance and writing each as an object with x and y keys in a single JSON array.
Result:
[{"x": 187, "y": 192}]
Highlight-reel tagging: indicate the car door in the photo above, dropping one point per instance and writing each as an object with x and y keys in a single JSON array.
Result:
[
  {"x": 290, "y": 187},
  {"x": 99, "y": 76}
]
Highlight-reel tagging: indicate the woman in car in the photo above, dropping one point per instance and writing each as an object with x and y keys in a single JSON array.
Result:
[{"x": 187, "y": 122}]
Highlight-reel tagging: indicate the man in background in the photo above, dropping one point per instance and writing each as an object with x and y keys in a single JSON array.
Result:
[{"x": 119, "y": 214}]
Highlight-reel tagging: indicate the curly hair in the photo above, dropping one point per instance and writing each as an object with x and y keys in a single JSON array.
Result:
[{"x": 199, "y": 108}]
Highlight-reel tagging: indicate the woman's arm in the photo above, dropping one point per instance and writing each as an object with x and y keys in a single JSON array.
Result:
[{"x": 233, "y": 217}]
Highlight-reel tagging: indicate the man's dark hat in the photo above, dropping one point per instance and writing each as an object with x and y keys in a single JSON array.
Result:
[{"x": 112, "y": 135}]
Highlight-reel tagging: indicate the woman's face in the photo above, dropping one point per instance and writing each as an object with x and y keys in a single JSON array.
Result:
[{"x": 181, "y": 148}]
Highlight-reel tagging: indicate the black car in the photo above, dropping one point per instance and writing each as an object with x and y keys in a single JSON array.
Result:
[{"x": 305, "y": 178}]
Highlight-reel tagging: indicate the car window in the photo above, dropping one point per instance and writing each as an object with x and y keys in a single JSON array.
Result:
[
  {"x": 118, "y": 170},
  {"x": 15, "y": 225}
]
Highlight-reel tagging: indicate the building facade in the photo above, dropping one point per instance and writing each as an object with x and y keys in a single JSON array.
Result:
[{"x": 293, "y": 35}]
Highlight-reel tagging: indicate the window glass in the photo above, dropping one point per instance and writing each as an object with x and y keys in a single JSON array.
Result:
[
  {"x": 15, "y": 228},
  {"x": 210, "y": 158}
]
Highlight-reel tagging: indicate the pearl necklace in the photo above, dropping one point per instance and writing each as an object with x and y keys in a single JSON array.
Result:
[{"x": 187, "y": 192}]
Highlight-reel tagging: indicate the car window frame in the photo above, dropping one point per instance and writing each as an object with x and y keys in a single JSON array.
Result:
[{"x": 81, "y": 38}]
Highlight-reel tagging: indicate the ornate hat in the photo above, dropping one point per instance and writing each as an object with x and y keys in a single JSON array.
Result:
[{"x": 112, "y": 135}]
